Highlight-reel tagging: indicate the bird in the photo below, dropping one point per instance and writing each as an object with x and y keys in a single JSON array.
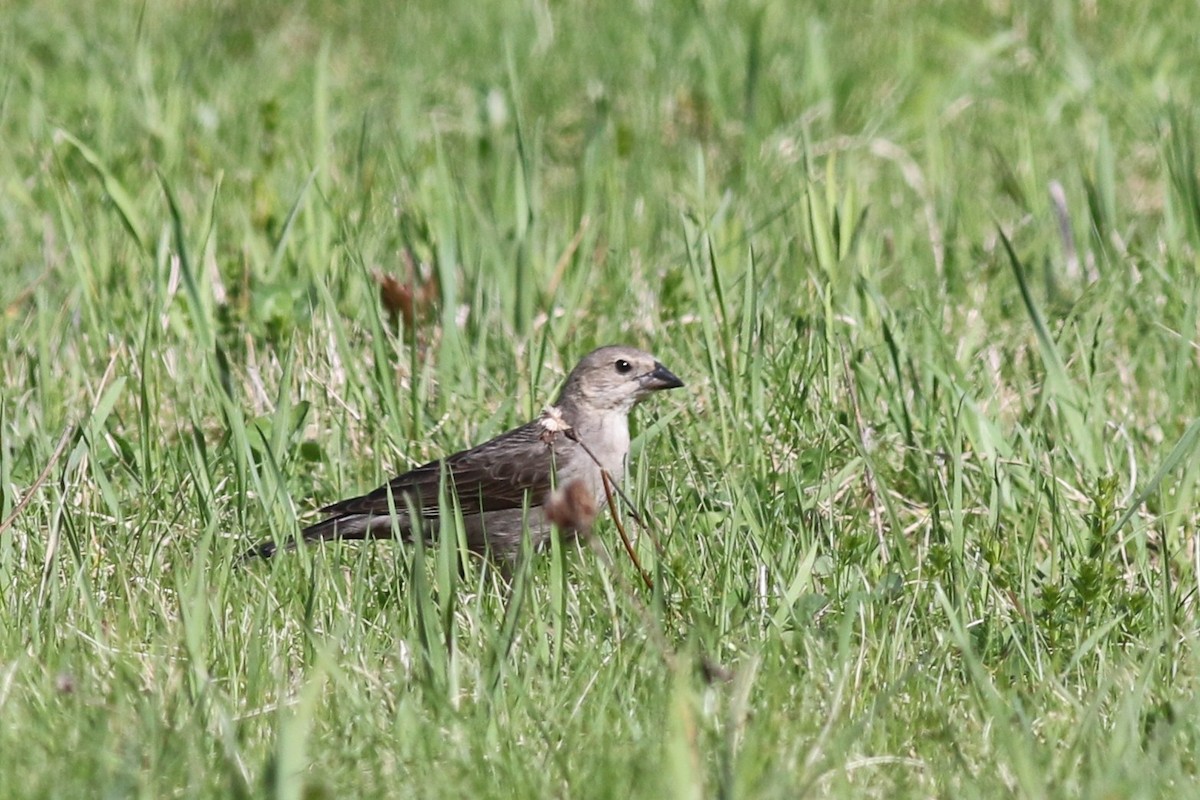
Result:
[{"x": 507, "y": 485}]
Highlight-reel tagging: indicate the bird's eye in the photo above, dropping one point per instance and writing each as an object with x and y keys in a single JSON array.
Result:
[{"x": 623, "y": 366}]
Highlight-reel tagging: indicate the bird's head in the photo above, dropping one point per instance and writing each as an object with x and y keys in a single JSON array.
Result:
[{"x": 615, "y": 378}]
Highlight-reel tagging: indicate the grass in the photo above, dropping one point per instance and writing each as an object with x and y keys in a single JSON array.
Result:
[{"x": 928, "y": 504}]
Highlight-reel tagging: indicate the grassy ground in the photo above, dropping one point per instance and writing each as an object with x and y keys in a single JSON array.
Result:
[{"x": 928, "y": 504}]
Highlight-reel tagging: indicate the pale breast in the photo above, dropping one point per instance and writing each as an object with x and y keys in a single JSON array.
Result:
[{"x": 608, "y": 442}]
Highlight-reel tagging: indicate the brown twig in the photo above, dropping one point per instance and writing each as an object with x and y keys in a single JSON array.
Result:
[
  {"x": 872, "y": 484},
  {"x": 564, "y": 260},
  {"x": 636, "y": 515},
  {"x": 612, "y": 507},
  {"x": 27, "y": 292},
  {"x": 652, "y": 624},
  {"x": 59, "y": 449}
]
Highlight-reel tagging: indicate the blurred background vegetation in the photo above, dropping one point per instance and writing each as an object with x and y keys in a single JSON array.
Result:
[{"x": 929, "y": 270}]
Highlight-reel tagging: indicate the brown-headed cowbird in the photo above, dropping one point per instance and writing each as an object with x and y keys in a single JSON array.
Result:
[{"x": 501, "y": 485}]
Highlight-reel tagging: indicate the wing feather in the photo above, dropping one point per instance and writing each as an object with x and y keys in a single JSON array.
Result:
[{"x": 496, "y": 475}]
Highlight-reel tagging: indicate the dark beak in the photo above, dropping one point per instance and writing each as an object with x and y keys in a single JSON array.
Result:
[{"x": 660, "y": 378}]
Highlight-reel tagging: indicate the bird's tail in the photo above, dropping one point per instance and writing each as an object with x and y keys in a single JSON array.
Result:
[{"x": 343, "y": 526}]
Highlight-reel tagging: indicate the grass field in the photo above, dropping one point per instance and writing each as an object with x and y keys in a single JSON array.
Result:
[{"x": 928, "y": 505}]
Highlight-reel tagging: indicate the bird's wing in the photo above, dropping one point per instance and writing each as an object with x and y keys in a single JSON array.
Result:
[{"x": 496, "y": 475}]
